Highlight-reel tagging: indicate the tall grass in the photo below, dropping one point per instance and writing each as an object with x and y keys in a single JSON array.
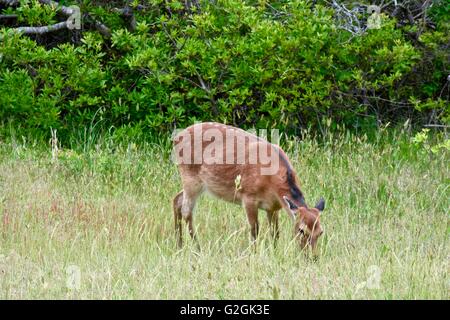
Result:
[{"x": 97, "y": 223}]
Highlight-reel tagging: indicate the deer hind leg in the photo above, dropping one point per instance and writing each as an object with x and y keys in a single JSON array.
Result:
[
  {"x": 190, "y": 196},
  {"x": 177, "y": 204},
  {"x": 273, "y": 222},
  {"x": 252, "y": 215}
]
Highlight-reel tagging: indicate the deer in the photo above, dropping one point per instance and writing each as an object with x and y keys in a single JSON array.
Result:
[{"x": 240, "y": 167}]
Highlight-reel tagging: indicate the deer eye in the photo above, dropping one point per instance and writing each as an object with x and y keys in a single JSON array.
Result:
[{"x": 301, "y": 231}]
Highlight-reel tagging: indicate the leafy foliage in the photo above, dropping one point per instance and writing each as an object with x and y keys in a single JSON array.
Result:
[{"x": 279, "y": 64}]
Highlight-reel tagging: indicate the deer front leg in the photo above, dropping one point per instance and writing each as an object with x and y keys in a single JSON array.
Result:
[
  {"x": 273, "y": 222},
  {"x": 252, "y": 215}
]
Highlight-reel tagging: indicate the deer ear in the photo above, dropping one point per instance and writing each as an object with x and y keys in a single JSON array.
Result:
[
  {"x": 290, "y": 204},
  {"x": 321, "y": 204}
]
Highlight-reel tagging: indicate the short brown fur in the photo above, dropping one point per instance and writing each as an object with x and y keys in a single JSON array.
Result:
[{"x": 255, "y": 191}]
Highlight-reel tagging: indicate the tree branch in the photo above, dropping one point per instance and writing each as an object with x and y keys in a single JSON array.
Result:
[
  {"x": 10, "y": 3},
  {"x": 128, "y": 15},
  {"x": 100, "y": 27},
  {"x": 347, "y": 19},
  {"x": 37, "y": 30},
  {"x": 67, "y": 11},
  {"x": 8, "y": 16},
  {"x": 41, "y": 30}
]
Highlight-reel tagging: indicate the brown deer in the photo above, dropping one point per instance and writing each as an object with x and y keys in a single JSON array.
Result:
[{"x": 242, "y": 168}]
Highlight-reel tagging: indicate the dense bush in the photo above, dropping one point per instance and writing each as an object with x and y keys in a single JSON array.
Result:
[{"x": 281, "y": 64}]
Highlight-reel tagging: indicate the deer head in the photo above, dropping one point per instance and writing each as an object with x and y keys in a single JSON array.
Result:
[{"x": 307, "y": 222}]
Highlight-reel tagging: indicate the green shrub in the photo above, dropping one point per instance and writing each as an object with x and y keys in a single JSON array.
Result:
[{"x": 243, "y": 62}]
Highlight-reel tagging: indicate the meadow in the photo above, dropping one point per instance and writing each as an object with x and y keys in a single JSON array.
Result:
[{"x": 95, "y": 222}]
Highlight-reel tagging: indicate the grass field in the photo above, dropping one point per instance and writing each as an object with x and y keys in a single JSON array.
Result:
[{"x": 96, "y": 222}]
